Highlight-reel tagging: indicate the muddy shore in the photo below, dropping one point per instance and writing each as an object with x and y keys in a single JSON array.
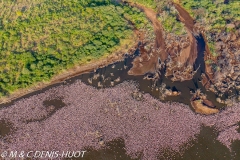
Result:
[
  {"x": 155, "y": 56},
  {"x": 76, "y": 116}
]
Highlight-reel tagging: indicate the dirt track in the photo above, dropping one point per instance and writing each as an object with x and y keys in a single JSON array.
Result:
[
  {"x": 189, "y": 23},
  {"x": 190, "y": 53},
  {"x": 160, "y": 43},
  {"x": 148, "y": 60},
  {"x": 145, "y": 63}
]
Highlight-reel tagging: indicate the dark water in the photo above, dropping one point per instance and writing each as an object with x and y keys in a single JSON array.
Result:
[
  {"x": 5, "y": 128},
  {"x": 206, "y": 147},
  {"x": 113, "y": 150},
  {"x": 51, "y": 106},
  {"x": 118, "y": 71},
  {"x": 238, "y": 127}
]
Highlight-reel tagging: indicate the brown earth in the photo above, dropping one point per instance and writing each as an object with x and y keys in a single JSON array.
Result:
[
  {"x": 189, "y": 54},
  {"x": 145, "y": 63},
  {"x": 224, "y": 69},
  {"x": 200, "y": 108},
  {"x": 152, "y": 53},
  {"x": 152, "y": 16},
  {"x": 183, "y": 54},
  {"x": 148, "y": 59},
  {"x": 201, "y": 104}
]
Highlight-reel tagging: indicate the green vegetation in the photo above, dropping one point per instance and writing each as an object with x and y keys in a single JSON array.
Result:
[
  {"x": 215, "y": 16},
  {"x": 40, "y": 38},
  {"x": 147, "y": 3},
  {"x": 167, "y": 16}
]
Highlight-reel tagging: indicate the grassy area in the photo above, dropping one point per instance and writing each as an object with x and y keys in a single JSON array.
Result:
[
  {"x": 167, "y": 16},
  {"x": 40, "y": 38},
  {"x": 215, "y": 16},
  {"x": 147, "y": 3}
]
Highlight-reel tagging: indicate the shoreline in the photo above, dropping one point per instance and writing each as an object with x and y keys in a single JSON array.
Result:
[
  {"x": 94, "y": 115},
  {"x": 116, "y": 56}
]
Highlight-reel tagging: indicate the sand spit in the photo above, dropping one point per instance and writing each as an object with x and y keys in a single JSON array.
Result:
[{"x": 92, "y": 117}]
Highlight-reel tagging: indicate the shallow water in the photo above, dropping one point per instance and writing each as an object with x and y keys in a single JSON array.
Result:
[
  {"x": 51, "y": 106},
  {"x": 206, "y": 147},
  {"x": 5, "y": 128},
  {"x": 112, "y": 72},
  {"x": 117, "y": 73},
  {"x": 113, "y": 150}
]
